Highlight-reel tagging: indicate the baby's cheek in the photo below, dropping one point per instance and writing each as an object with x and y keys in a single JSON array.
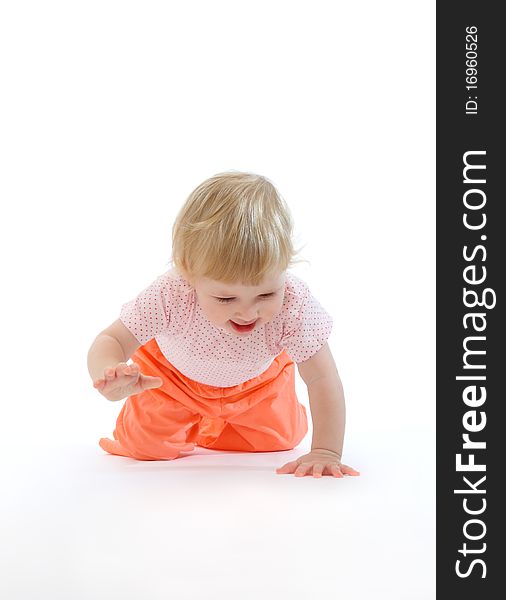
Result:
[{"x": 273, "y": 312}]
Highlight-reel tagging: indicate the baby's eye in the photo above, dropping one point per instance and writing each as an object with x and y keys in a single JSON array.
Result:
[{"x": 262, "y": 296}]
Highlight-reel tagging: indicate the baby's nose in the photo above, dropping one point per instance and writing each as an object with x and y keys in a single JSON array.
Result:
[{"x": 245, "y": 319}]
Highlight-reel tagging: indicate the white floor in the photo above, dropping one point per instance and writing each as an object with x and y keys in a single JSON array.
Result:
[{"x": 77, "y": 523}]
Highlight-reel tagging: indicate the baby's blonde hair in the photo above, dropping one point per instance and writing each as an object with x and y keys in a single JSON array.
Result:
[{"x": 234, "y": 227}]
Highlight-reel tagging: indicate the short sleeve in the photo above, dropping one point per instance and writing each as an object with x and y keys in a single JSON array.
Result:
[
  {"x": 308, "y": 326},
  {"x": 149, "y": 312}
]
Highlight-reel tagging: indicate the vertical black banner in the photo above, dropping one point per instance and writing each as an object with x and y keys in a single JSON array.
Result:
[{"x": 471, "y": 251}]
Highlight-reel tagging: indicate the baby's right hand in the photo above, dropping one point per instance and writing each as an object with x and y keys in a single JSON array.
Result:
[{"x": 124, "y": 380}]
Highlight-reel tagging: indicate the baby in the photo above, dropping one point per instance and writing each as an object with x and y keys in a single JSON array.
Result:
[{"x": 215, "y": 339}]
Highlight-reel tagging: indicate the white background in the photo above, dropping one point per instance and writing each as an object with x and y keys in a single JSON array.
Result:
[{"x": 111, "y": 114}]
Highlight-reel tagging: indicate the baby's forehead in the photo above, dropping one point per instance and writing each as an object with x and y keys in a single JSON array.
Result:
[{"x": 269, "y": 284}]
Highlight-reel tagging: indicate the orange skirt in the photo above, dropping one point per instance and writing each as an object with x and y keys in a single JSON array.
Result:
[{"x": 259, "y": 415}]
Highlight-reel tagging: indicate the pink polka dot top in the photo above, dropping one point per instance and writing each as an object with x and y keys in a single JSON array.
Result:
[{"x": 168, "y": 310}]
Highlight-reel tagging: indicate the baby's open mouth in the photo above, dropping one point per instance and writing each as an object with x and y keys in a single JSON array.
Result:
[{"x": 242, "y": 328}]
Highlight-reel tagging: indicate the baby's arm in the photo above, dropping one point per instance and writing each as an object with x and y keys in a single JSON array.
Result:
[
  {"x": 326, "y": 400},
  {"x": 111, "y": 374},
  {"x": 105, "y": 352}
]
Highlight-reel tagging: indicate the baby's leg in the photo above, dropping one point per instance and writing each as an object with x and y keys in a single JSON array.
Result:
[
  {"x": 264, "y": 416},
  {"x": 157, "y": 424},
  {"x": 265, "y": 428},
  {"x": 151, "y": 426}
]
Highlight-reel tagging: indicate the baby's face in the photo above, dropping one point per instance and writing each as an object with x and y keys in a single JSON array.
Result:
[{"x": 229, "y": 306}]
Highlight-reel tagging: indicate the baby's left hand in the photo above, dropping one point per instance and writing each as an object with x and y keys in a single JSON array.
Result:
[{"x": 320, "y": 462}]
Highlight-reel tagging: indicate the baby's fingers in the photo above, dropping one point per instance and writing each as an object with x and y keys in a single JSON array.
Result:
[
  {"x": 112, "y": 373},
  {"x": 132, "y": 369},
  {"x": 289, "y": 467},
  {"x": 335, "y": 471},
  {"x": 147, "y": 382},
  {"x": 302, "y": 469},
  {"x": 109, "y": 374},
  {"x": 349, "y": 470},
  {"x": 318, "y": 470}
]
